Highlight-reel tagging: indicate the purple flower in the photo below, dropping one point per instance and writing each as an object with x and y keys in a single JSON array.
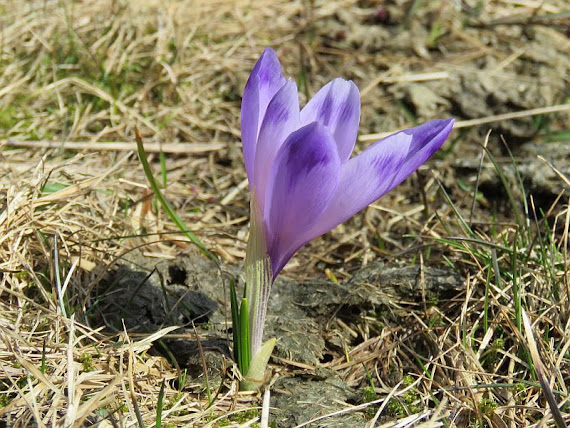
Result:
[{"x": 298, "y": 160}]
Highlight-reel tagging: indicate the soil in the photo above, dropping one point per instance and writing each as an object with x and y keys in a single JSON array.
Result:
[
  {"x": 492, "y": 69},
  {"x": 144, "y": 296}
]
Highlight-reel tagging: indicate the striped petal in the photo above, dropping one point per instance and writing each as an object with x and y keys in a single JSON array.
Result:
[
  {"x": 370, "y": 175},
  {"x": 337, "y": 106},
  {"x": 303, "y": 181},
  {"x": 281, "y": 119},
  {"x": 263, "y": 83}
]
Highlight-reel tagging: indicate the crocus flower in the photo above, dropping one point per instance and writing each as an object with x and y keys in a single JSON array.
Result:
[
  {"x": 303, "y": 180},
  {"x": 298, "y": 160}
]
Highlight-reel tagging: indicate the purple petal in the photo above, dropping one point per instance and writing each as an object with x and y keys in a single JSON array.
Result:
[
  {"x": 303, "y": 180},
  {"x": 337, "y": 106},
  {"x": 364, "y": 179},
  {"x": 380, "y": 168},
  {"x": 263, "y": 83},
  {"x": 281, "y": 119},
  {"x": 426, "y": 140}
]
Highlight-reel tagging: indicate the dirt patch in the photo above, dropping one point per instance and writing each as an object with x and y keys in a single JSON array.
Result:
[
  {"x": 310, "y": 320},
  {"x": 491, "y": 66}
]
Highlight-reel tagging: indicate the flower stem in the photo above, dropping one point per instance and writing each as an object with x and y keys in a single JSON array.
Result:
[
  {"x": 249, "y": 318},
  {"x": 258, "y": 277}
]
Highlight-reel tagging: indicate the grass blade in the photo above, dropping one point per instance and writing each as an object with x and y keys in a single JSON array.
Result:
[
  {"x": 235, "y": 324},
  {"x": 163, "y": 172},
  {"x": 163, "y": 202},
  {"x": 507, "y": 186},
  {"x": 158, "y": 423},
  {"x": 244, "y": 335}
]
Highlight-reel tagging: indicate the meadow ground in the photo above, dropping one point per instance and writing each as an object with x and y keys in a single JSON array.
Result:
[{"x": 447, "y": 303}]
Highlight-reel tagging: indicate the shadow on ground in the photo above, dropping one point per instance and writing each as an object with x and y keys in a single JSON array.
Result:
[{"x": 143, "y": 296}]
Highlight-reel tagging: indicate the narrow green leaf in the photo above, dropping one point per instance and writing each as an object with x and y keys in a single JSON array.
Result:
[
  {"x": 235, "y": 324},
  {"x": 507, "y": 186},
  {"x": 486, "y": 301},
  {"x": 50, "y": 188},
  {"x": 163, "y": 202},
  {"x": 526, "y": 225},
  {"x": 516, "y": 284},
  {"x": 244, "y": 335},
  {"x": 466, "y": 228},
  {"x": 159, "y": 404}
]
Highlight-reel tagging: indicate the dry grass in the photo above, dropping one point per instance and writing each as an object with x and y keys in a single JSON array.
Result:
[{"x": 74, "y": 75}]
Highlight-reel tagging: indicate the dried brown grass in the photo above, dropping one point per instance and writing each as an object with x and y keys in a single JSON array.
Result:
[{"x": 89, "y": 72}]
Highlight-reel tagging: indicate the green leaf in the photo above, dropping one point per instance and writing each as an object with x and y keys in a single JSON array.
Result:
[
  {"x": 235, "y": 324},
  {"x": 50, "y": 188},
  {"x": 244, "y": 336},
  {"x": 256, "y": 374},
  {"x": 163, "y": 202},
  {"x": 159, "y": 404}
]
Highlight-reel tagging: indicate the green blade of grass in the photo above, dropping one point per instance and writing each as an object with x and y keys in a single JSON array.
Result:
[
  {"x": 244, "y": 335},
  {"x": 43, "y": 366},
  {"x": 507, "y": 186},
  {"x": 526, "y": 225},
  {"x": 235, "y": 324},
  {"x": 158, "y": 423},
  {"x": 486, "y": 301},
  {"x": 477, "y": 181},
  {"x": 466, "y": 228},
  {"x": 163, "y": 202},
  {"x": 517, "y": 298}
]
